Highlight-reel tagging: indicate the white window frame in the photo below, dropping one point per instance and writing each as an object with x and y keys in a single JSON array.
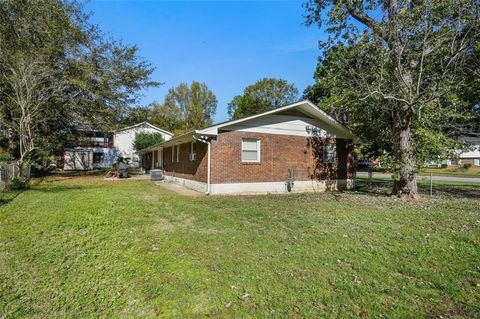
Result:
[
  {"x": 178, "y": 153},
  {"x": 259, "y": 156},
  {"x": 326, "y": 158},
  {"x": 476, "y": 162}
]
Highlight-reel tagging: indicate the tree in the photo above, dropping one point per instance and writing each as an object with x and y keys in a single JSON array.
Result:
[
  {"x": 30, "y": 86},
  {"x": 264, "y": 95},
  {"x": 168, "y": 117},
  {"x": 195, "y": 104},
  {"x": 134, "y": 115},
  {"x": 146, "y": 139},
  {"x": 404, "y": 62},
  {"x": 85, "y": 79}
]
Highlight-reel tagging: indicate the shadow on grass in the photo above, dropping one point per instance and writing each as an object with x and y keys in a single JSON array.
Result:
[
  {"x": 8, "y": 195},
  {"x": 379, "y": 187},
  {"x": 57, "y": 189}
]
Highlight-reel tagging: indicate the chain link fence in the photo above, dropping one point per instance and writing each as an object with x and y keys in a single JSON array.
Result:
[{"x": 10, "y": 171}]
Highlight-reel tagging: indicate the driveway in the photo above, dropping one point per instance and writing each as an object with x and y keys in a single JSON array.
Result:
[{"x": 423, "y": 177}]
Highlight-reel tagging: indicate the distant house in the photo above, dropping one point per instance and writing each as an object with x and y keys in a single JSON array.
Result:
[
  {"x": 97, "y": 149},
  {"x": 296, "y": 148},
  {"x": 471, "y": 156}
]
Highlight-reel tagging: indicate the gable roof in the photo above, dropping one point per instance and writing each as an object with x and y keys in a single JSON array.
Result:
[
  {"x": 304, "y": 106},
  {"x": 143, "y": 124}
]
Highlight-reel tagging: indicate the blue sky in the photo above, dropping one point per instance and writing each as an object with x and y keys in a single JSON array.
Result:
[{"x": 226, "y": 44}]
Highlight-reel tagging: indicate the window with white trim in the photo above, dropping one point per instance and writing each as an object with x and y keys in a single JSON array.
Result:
[
  {"x": 250, "y": 150},
  {"x": 329, "y": 153},
  {"x": 476, "y": 162},
  {"x": 178, "y": 153}
]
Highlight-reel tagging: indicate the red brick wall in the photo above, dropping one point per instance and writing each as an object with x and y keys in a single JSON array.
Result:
[
  {"x": 194, "y": 170},
  {"x": 279, "y": 155}
]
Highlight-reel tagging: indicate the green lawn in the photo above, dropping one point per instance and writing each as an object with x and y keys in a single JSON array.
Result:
[
  {"x": 86, "y": 248},
  {"x": 451, "y": 171}
]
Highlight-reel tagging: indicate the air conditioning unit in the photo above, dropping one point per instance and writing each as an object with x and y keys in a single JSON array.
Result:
[
  {"x": 156, "y": 175},
  {"x": 193, "y": 156}
]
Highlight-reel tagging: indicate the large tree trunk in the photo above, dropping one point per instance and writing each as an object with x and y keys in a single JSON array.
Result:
[{"x": 406, "y": 185}]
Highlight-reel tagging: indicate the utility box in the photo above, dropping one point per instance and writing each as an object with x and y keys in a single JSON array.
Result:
[{"x": 156, "y": 175}]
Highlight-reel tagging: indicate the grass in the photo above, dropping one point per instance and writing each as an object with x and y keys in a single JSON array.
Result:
[
  {"x": 83, "y": 247},
  {"x": 452, "y": 171}
]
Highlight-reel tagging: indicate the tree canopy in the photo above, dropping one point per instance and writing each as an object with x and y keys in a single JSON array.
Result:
[
  {"x": 396, "y": 72},
  {"x": 80, "y": 78},
  {"x": 264, "y": 95},
  {"x": 186, "y": 107}
]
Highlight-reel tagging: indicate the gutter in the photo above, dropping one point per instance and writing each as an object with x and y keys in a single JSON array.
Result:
[{"x": 203, "y": 140}]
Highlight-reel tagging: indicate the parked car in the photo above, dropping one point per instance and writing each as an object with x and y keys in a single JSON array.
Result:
[{"x": 364, "y": 164}]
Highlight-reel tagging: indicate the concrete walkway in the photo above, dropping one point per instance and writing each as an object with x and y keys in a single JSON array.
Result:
[
  {"x": 423, "y": 177},
  {"x": 178, "y": 189}
]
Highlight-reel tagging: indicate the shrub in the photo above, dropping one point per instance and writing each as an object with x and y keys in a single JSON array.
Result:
[
  {"x": 19, "y": 183},
  {"x": 444, "y": 166},
  {"x": 5, "y": 157},
  {"x": 467, "y": 165}
]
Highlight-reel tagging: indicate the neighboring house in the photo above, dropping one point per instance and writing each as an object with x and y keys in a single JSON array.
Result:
[
  {"x": 124, "y": 138},
  {"x": 101, "y": 150},
  {"x": 297, "y": 148},
  {"x": 471, "y": 156}
]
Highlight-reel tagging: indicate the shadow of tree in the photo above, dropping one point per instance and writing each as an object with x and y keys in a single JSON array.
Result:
[
  {"x": 333, "y": 160},
  {"x": 384, "y": 188}
]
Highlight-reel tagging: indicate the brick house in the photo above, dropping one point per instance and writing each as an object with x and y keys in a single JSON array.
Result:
[{"x": 294, "y": 148}]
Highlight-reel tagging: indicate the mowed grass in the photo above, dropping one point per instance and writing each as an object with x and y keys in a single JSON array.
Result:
[
  {"x": 452, "y": 171},
  {"x": 86, "y": 248}
]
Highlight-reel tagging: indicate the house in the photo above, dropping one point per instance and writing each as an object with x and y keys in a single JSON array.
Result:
[
  {"x": 296, "y": 148},
  {"x": 96, "y": 149},
  {"x": 470, "y": 156},
  {"x": 124, "y": 138}
]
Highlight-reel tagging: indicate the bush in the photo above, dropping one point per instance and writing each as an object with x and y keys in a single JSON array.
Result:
[
  {"x": 19, "y": 183},
  {"x": 5, "y": 157},
  {"x": 444, "y": 166},
  {"x": 467, "y": 165}
]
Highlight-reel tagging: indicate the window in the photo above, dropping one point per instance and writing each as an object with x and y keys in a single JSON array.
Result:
[
  {"x": 193, "y": 151},
  {"x": 476, "y": 162},
  {"x": 329, "y": 153},
  {"x": 250, "y": 150},
  {"x": 97, "y": 158},
  {"x": 178, "y": 153}
]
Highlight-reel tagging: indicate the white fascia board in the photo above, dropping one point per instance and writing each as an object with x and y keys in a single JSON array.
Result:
[
  {"x": 143, "y": 123},
  {"x": 306, "y": 106}
]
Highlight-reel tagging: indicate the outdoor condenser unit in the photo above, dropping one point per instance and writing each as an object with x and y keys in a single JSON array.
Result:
[{"x": 156, "y": 175}]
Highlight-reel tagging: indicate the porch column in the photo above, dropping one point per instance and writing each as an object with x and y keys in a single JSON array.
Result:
[
  {"x": 160, "y": 157},
  {"x": 153, "y": 160}
]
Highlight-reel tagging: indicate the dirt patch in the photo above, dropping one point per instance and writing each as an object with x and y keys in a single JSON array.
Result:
[{"x": 178, "y": 189}]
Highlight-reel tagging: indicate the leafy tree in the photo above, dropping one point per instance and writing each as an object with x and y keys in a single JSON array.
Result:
[
  {"x": 134, "y": 115},
  {"x": 400, "y": 70},
  {"x": 262, "y": 96},
  {"x": 168, "y": 117},
  {"x": 195, "y": 106},
  {"x": 146, "y": 139},
  {"x": 94, "y": 78}
]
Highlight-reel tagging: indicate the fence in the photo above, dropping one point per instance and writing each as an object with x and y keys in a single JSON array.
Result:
[{"x": 8, "y": 172}]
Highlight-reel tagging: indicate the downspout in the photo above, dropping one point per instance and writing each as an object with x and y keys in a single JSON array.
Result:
[{"x": 208, "y": 161}]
